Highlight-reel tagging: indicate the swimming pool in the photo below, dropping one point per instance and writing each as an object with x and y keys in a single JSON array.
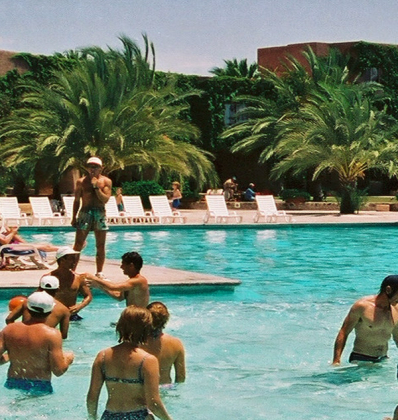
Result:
[{"x": 261, "y": 352}]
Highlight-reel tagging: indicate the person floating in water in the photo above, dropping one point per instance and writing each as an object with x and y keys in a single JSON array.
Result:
[
  {"x": 34, "y": 349},
  {"x": 374, "y": 319},
  {"x": 169, "y": 350},
  {"x": 135, "y": 290}
]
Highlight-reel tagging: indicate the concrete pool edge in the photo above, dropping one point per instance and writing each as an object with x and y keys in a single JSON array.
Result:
[{"x": 159, "y": 278}]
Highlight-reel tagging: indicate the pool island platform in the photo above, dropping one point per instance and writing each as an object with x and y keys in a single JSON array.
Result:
[{"x": 160, "y": 279}]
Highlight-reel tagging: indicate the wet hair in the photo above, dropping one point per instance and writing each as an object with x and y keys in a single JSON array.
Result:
[
  {"x": 391, "y": 281},
  {"x": 133, "y": 258},
  {"x": 160, "y": 315},
  {"x": 134, "y": 325}
]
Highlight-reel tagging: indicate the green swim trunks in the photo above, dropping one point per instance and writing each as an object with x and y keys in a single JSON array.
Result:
[{"x": 93, "y": 218}]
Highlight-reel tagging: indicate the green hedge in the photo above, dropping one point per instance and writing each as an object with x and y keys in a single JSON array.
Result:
[{"x": 144, "y": 189}]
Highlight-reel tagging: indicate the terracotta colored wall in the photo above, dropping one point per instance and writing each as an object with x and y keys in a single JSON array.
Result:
[
  {"x": 8, "y": 63},
  {"x": 272, "y": 57}
]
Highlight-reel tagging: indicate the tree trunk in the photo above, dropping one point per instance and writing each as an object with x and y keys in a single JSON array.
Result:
[{"x": 350, "y": 200}]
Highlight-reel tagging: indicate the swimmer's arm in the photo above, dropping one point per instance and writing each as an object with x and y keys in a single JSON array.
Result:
[
  {"x": 3, "y": 355},
  {"x": 85, "y": 291},
  {"x": 395, "y": 335},
  {"x": 349, "y": 324},
  {"x": 64, "y": 325},
  {"x": 59, "y": 360},
  {"x": 97, "y": 380},
  {"x": 107, "y": 285},
  {"x": 151, "y": 388},
  {"x": 179, "y": 366},
  {"x": 15, "y": 314}
]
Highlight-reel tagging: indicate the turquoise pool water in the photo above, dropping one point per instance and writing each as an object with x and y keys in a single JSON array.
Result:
[{"x": 261, "y": 352}]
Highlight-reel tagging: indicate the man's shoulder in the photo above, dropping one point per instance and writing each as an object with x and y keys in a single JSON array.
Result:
[
  {"x": 365, "y": 302},
  {"x": 139, "y": 278},
  {"x": 60, "y": 307}
]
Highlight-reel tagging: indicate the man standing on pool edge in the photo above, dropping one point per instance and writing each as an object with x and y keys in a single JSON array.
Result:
[
  {"x": 374, "y": 319},
  {"x": 94, "y": 191}
]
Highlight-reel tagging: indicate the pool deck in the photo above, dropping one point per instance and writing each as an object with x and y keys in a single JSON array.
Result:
[{"x": 164, "y": 279}]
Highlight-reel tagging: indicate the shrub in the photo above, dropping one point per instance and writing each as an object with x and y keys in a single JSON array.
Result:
[
  {"x": 351, "y": 199},
  {"x": 144, "y": 189},
  {"x": 293, "y": 193}
]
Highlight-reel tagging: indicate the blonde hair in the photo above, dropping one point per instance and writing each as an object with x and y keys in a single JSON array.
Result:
[
  {"x": 134, "y": 325},
  {"x": 176, "y": 183}
]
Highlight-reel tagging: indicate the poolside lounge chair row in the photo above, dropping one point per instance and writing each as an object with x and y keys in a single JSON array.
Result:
[{"x": 42, "y": 213}]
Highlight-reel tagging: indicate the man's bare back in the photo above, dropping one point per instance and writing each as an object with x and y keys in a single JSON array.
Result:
[
  {"x": 170, "y": 353},
  {"x": 34, "y": 349},
  {"x": 29, "y": 347},
  {"x": 58, "y": 316}
]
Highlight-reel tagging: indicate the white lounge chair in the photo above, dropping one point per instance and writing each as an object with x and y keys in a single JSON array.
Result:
[
  {"x": 266, "y": 208},
  {"x": 42, "y": 213},
  {"x": 162, "y": 210},
  {"x": 113, "y": 215},
  {"x": 10, "y": 213},
  {"x": 133, "y": 208},
  {"x": 217, "y": 208},
  {"x": 68, "y": 206},
  {"x": 23, "y": 256}
]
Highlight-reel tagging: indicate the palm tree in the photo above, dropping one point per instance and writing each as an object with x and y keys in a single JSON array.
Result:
[
  {"x": 338, "y": 130},
  {"x": 108, "y": 106},
  {"x": 235, "y": 68},
  {"x": 298, "y": 82}
]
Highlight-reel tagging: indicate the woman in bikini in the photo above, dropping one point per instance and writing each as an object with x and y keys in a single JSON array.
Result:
[{"x": 131, "y": 375}]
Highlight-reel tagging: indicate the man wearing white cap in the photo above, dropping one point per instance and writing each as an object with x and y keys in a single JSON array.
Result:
[
  {"x": 58, "y": 316},
  {"x": 34, "y": 349},
  {"x": 91, "y": 194},
  {"x": 70, "y": 284}
]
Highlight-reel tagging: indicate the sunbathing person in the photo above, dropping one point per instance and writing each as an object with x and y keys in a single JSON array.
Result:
[
  {"x": 58, "y": 316},
  {"x": 10, "y": 235},
  {"x": 19, "y": 248},
  {"x": 168, "y": 350}
]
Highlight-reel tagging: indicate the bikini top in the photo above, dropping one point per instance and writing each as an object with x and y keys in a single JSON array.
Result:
[{"x": 139, "y": 380}]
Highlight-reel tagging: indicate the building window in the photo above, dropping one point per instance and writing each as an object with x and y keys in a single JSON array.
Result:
[{"x": 230, "y": 117}]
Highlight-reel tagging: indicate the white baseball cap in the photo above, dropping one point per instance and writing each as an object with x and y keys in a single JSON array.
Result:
[
  {"x": 65, "y": 250},
  {"x": 41, "y": 302},
  {"x": 94, "y": 161},
  {"x": 49, "y": 282}
]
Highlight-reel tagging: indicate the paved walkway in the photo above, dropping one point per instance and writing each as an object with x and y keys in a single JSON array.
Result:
[{"x": 164, "y": 278}]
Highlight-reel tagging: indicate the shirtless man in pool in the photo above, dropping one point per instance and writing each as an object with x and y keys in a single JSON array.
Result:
[
  {"x": 93, "y": 190},
  {"x": 34, "y": 349},
  {"x": 374, "y": 319},
  {"x": 135, "y": 290}
]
